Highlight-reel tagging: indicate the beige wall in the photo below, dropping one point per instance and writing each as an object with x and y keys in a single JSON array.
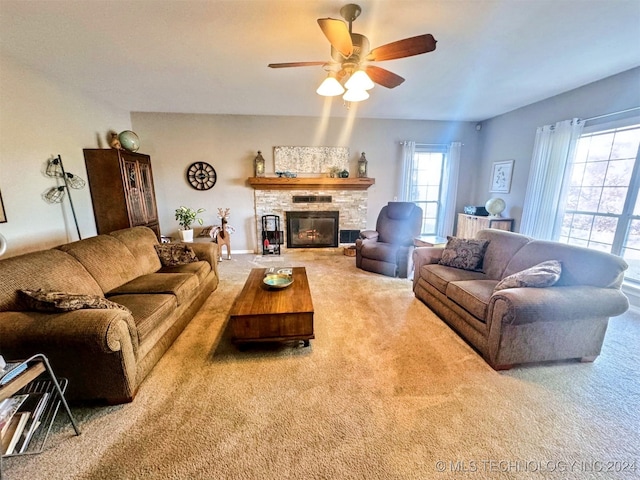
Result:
[
  {"x": 40, "y": 118},
  {"x": 230, "y": 143}
]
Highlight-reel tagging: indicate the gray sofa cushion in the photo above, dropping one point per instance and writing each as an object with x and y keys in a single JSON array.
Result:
[
  {"x": 439, "y": 276},
  {"x": 472, "y": 295},
  {"x": 502, "y": 246}
]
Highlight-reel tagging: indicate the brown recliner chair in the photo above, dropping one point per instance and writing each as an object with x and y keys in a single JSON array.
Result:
[{"x": 388, "y": 249}]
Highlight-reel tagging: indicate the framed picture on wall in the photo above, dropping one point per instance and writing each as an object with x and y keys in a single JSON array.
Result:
[
  {"x": 501, "y": 176},
  {"x": 3, "y": 217}
]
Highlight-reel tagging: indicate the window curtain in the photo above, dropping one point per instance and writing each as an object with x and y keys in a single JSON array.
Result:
[
  {"x": 449, "y": 190},
  {"x": 408, "y": 151},
  {"x": 551, "y": 163}
]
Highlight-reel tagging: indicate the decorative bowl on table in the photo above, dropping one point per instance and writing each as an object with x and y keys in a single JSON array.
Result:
[{"x": 277, "y": 280}]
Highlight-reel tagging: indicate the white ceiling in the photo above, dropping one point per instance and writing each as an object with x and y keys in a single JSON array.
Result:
[{"x": 189, "y": 56}]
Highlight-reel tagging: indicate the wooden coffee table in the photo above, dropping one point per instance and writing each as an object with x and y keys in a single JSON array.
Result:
[{"x": 261, "y": 314}]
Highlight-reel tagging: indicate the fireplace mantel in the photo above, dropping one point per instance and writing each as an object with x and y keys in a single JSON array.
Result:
[{"x": 310, "y": 183}]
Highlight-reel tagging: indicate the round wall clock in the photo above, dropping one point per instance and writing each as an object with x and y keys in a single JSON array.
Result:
[{"x": 201, "y": 176}]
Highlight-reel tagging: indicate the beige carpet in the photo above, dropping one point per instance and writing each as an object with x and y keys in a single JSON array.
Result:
[{"x": 386, "y": 391}]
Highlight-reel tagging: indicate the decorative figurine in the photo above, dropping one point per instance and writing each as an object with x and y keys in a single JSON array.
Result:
[
  {"x": 221, "y": 234},
  {"x": 259, "y": 165},
  {"x": 114, "y": 141},
  {"x": 362, "y": 166}
]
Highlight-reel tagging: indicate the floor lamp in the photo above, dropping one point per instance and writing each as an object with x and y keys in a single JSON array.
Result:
[{"x": 55, "y": 169}]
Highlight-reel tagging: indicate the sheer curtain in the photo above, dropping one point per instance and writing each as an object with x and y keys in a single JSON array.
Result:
[
  {"x": 553, "y": 153},
  {"x": 408, "y": 151},
  {"x": 448, "y": 186},
  {"x": 449, "y": 190}
]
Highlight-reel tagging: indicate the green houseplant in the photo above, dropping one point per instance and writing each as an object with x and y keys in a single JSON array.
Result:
[{"x": 185, "y": 217}]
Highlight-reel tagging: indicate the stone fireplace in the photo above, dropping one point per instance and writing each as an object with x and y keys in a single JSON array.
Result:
[{"x": 343, "y": 198}]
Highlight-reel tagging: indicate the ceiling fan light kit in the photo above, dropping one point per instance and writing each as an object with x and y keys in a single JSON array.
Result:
[
  {"x": 330, "y": 87},
  {"x": 351, "y": 57},
  {"x": 359, "y": 81},
  {"x": 354, "y": 95}
]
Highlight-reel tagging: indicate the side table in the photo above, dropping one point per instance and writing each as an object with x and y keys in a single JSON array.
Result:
[
  {"x": 429, "y": 241},
  {"x": 37, "y": 365}
]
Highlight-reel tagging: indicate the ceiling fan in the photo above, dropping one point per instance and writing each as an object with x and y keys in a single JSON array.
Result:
[{"x": 351, "y": 57}]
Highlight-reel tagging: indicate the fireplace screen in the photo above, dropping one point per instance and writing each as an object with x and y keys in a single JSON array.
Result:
[{"x": 312, "y": 229}]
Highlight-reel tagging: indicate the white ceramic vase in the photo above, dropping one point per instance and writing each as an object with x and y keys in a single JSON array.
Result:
[{"x": 186, "y": 235}]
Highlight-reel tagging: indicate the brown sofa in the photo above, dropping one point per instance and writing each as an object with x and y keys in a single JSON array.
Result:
[
  {"x": 521, "y": 325},
  {"x": 105, "y": 353}
]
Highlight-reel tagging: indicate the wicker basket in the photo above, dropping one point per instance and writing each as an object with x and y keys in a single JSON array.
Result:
[{"x": 350, "y": 251}]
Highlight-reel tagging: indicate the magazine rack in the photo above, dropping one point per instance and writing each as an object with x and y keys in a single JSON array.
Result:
[{"x": 28, "y": 382}]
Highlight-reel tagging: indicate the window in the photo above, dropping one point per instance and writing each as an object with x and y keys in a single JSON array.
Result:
[
  {"x": 602, "y": 209},
  {"x": 425, "y": 184}
]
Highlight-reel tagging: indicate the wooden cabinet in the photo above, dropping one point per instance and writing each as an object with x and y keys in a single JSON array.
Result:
[
  {"x": 469, "y": 225},
  {"x": 122, "y": 191}
]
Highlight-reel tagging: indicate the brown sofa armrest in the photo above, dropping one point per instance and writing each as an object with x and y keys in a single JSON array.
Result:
[
  {"x": 96, "y": 330},
  {"x": 207, "y": 251},
  {"x": 94, "y": 349},
  {"x": 518, "y": 306}
]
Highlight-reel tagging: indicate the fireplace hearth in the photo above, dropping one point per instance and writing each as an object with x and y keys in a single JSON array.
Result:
[{"x": 312, "y": 229}]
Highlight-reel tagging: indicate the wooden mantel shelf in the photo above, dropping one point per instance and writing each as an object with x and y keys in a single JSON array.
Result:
[{"x": 310, "y": 183}]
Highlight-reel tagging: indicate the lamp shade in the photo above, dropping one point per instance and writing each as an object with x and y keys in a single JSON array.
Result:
[
  {"x": 359, "y": 81},
  {"x": 355, "y": 95},
  {"x": 330, "y": 87}
]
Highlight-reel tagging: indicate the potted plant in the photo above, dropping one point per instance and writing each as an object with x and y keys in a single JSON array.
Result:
[{"x": 185, "y": 217}]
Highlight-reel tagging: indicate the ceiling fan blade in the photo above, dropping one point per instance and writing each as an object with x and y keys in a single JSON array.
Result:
[
  {"x": 403, "y": 48},
  {"x": 295, "y": 64},
  {"x": 383, "y": 77},
  {"x": 338, "y": 35}
]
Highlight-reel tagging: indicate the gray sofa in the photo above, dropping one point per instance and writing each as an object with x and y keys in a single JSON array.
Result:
[
  {"x": 521, "y": 325},
  {"x": 105, "y": 353}
]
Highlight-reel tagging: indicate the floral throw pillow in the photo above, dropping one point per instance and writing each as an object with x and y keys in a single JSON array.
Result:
[
  {"x": 172, "y": 254},
  {"x": 544, "y": 274},
  {"x": 463, "y": 253},
  {"x": 47, "y": 301}
]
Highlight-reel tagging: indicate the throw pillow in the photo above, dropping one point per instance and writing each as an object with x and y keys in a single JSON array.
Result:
[
  {"x": 463, "y": 253},
  {"x": 206, "y": 231},
  {"x": 172, "y": 254},
  {"x": 544, "y": 274},
  {"x": 47, "y": 301}
]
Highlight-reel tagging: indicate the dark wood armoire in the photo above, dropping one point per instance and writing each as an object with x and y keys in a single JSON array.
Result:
[{"x": 122, "y": 191}]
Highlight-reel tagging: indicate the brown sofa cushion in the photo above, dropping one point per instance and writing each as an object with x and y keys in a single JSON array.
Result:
[
  {"x": 544, "y": 274},
  {"x": 464, "y": 253},
  {"x": 183, "y": 285},
  {"x": 140, "y": 242},
  {"x": 120, "y": 268},
  {"x": 172, "y": 254},
  {"x": 150, "y": 313},
  {"x": 201, "y": 269},
  {"x": 48, "y": 301},
  {"x": 48, "y": 269}
]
